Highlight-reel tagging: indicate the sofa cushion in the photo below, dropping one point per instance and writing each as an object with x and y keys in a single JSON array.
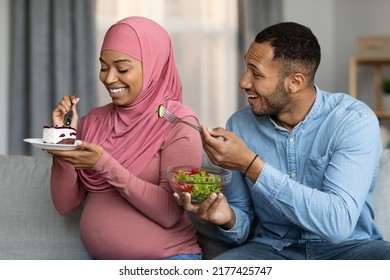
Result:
[
  {"x": 207, "y": 238},
  {"x": 30, "y": 227},
  {"x": 381, "y": 196}
]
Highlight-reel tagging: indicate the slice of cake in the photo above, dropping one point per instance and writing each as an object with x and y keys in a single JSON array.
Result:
[{"x": 59, "y": 135}]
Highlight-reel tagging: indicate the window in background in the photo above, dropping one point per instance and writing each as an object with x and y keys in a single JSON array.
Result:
[
  {"x": 204, "y": 37},
  {"x": 4, "y": 74}
]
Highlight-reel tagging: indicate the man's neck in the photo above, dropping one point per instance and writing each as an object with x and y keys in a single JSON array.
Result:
[{"x": 300, "y": 107}]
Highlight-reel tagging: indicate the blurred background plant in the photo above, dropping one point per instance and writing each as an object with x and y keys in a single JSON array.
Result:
[{"x": 386, "y": 86}]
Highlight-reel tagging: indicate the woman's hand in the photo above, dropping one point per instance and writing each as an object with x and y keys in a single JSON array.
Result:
[
  {"x": 85, "y": 157},
  {"x": 67, "y": 103}
]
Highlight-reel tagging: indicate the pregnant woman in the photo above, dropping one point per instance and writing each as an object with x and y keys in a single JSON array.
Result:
[{"x": 118, "y": 173}]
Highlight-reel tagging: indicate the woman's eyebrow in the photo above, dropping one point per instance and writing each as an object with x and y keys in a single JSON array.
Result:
[
  {"x": 116, "y": 61},
  {"x": 122, "y": 60}
]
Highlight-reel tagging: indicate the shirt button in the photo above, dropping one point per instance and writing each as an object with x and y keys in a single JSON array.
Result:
[
  {"x": 291, "y": 139},
  {"x": 293, "y": 174}
]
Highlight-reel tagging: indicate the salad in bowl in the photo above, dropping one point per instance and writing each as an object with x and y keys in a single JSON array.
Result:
[{"x": 200, "y": 182}]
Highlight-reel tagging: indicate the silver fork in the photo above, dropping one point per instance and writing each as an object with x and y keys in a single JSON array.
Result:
[{"x": 173, "y": 119}]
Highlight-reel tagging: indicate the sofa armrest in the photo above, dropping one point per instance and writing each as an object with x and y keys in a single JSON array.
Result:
[{"x": 381, "y": 196}]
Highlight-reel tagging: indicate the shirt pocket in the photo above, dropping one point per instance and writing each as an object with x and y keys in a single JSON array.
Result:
[{"x": 315, "y": 171}]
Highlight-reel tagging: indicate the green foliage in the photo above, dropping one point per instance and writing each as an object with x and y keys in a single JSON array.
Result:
[{"x": 386, "y": 86}]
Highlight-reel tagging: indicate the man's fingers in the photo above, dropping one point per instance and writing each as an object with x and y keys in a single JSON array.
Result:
[
  {"x": 184, "y": 200},
  {"x": 177, "y": 198},
  {"x": 205, "y": 205}
]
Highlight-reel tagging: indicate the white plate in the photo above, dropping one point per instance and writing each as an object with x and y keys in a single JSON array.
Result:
[{"x": 38, "y": 142}]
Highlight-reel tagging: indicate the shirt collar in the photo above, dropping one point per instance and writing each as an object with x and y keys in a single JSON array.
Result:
[{"x": 314, "y": 111}]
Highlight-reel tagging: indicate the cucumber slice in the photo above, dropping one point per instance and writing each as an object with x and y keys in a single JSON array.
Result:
[{"x": 160, "y": 111}]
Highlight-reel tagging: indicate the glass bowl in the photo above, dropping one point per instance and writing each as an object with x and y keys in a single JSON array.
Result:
[{"x": 200, "y": 182}]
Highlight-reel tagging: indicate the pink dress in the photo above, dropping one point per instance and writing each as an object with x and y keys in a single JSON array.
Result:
[{"x": 137, "y": 217}]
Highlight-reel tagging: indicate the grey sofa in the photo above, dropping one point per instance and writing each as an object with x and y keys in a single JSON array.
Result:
[{"x": 30, "y": 228}]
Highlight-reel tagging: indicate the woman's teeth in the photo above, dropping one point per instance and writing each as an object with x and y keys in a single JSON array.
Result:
[{"x": 116, "y": 90}]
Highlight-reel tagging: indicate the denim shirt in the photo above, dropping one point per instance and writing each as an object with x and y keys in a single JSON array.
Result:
[{"x": 318, "y": 180}]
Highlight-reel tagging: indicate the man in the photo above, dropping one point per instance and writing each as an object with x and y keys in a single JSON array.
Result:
[{"x": 304, "y": 161}]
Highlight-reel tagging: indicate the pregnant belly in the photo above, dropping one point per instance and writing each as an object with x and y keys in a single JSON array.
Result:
[{"x": 113, "y": 229}]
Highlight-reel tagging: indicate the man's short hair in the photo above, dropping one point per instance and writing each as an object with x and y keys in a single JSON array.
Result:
[{"x": 294, "y": 46}]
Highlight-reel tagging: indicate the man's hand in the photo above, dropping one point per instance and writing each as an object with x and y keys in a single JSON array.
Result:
[
  {"x": 231, "y": 153},
  {"x": 214, "y": 209}
]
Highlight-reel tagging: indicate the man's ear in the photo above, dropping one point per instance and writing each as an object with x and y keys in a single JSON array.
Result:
[{"x": 296, "y": 82}]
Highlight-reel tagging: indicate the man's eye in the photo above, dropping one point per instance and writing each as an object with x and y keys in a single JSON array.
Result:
[
  {"x": 122, "y": 70},
  {"x": 103, "y": 69},
  {"x": 257, "y": 75}
]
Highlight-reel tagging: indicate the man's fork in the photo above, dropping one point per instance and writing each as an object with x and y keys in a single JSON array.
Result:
[{"x": 173, "y": 119}]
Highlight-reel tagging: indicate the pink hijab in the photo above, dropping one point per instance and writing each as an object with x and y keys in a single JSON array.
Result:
[{"x": 134, "y": 134}]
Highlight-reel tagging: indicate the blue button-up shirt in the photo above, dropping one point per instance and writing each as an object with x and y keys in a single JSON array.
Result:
[{"x": 318, "y": 179}]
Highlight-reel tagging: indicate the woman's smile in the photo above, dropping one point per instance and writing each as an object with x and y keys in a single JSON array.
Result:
[{"x": 117, "y": 90}]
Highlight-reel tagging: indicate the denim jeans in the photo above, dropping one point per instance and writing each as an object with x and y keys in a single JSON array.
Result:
[
  {"x": 353, "y": 250},
  {"x": 185, "y": 257}
]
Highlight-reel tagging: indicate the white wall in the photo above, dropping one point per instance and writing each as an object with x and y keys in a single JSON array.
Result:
[
  {"x": 338, "y": 24},
  {"x": 357, "y": 18},
  {"x": 318, "y": 15},
  {"x": 4, "y": 73}
]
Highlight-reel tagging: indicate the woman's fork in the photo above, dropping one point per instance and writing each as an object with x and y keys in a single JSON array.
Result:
[
  {"x": 174, "y": 119},
  {"x": 69, "y": 116}
]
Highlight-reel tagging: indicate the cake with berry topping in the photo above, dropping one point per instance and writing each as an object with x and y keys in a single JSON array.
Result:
[{"x": 59, "y": 135}]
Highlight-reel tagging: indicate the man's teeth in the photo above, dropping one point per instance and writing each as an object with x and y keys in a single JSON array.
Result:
[
  {"x": 116, "y": 90},
  {"x": 252, "y": 96}
]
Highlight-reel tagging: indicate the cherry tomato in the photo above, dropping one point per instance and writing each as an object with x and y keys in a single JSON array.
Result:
[
  {"x": 186, "y": 187},
  {"x": 195, "y": 171}
]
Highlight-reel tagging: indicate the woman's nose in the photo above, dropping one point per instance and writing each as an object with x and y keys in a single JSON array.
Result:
[{"x": 111, "y": 77}]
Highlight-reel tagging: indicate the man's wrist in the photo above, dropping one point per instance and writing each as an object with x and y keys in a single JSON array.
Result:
[
  {"x": 250, "y": 164},
  {"x": 255, "y": 169},
  {"x": 229, "y": 225}
]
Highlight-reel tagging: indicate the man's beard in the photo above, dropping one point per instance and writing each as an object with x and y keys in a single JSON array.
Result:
[{"x": 274, "y": 103}]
